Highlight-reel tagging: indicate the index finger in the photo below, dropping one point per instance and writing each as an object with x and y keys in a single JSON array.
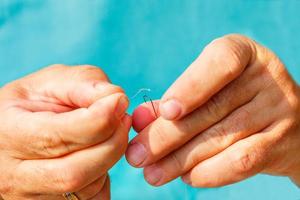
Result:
[
  {"x": 222, "y": 61},
  {"x": 53, "y": 135}
]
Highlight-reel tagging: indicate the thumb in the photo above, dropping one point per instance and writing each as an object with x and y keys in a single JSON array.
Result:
[
  {"x": 80, "y": 94},
  {"x": 84, "y": 94}
]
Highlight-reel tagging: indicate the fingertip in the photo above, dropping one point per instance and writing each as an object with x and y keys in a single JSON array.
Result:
[
  {"x": 122, "y": 105},
  {"x": 186, "y": 179},
  {"x": 112, "y": 105},
  {"x": 142, "y": 117},
  {"x": 154, "y": 175},
  {"x": 197, "y": 179},
  {"x": 170, "y": 109},
  {"x": 136, "y": 154},
  {"x": 127, "y": 121}
]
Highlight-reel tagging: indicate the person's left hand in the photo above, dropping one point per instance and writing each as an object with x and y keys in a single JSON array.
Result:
[
  {"x": 61, "y": 130},
  {"x": 232, "y": 114}
]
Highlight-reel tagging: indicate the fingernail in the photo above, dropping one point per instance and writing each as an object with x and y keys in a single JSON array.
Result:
[
  {"x": 126, "y": 120},
  {"x": 121, "y": 107},
  {"x": 136, "y": 154},
  {"x": 186, "y": 179},
  {"x": 153, "y": 174},
  {"x": 170, "y": 109}
]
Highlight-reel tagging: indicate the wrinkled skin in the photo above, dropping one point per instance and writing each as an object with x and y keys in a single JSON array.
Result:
[
  {"x": 61, "y": 130},
  {"x": 232, "y": 114}
]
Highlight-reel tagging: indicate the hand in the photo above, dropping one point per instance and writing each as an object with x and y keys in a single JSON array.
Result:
[
  {"x": 61, "y": 130},
  {"x": 233, "y": 113}
]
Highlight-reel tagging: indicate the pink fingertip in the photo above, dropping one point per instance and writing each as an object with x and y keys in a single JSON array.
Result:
[{"x": 142, "y": 117}]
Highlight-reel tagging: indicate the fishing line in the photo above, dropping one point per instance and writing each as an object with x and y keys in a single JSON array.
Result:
[
  {"x": 139, "y": 91},
  {"x": 146, "y": 98}
]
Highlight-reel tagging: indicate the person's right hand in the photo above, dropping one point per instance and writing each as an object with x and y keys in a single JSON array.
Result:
[
  {"x": 234, "y": 113},
  {"x": 61, "y": 130}
]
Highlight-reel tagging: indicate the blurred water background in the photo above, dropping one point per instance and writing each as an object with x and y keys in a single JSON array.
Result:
[{"x": 147, "y": 44}]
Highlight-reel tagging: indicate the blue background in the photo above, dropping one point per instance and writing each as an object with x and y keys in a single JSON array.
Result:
[{"x": 147, "y": 43}]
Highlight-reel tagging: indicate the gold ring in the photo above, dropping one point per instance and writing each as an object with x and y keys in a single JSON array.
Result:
[{"x": 70, "y": 196}]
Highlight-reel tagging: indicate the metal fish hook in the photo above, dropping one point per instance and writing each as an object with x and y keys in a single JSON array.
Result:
[{"x": 148, "y": 99}]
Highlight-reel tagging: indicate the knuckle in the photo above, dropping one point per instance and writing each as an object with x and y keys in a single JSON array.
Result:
[
  {"x": 185, "y": 125},
  {"x": 70, "y": 183},
  {"x": 107, "y": 88},
  {"x": 49, "y": 143},
  {"x": 87, "y": 68},
  {"x": 213, "y": 107},
  {"x": 68, "y": 179},
  {"x": 178, "y": 164},
  {"x": 105, "y": 126},
  {"x": 237, "y": 37},
  {"x": 6, "y": 186},
  {"x": 233, "y": 66},
  {"x": 59, "y": 144},
  {"x": 235, "y": 51},
  {"x": 90, "y": 72},
  {"x": 241, "y": 119},
  {"x": 56, "y": 67},
  {"x": 160, "y": 134},
  {"x": 115, "y": 89},
  {"x": 218, "y": 136},
  {"x": 244, "y": 162}
]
